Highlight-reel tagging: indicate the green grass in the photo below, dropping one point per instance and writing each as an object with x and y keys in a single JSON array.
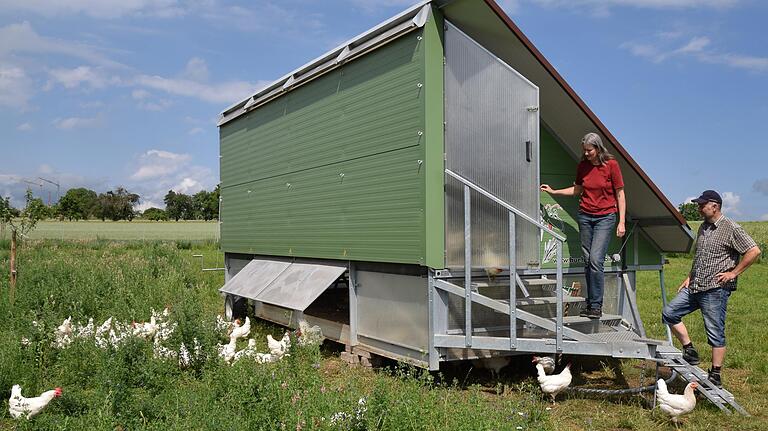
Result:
[
  {"x": 124, "y": 230},
  {"x": 128, "y": 389}
]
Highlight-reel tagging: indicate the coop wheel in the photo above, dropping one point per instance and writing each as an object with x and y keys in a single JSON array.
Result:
[{"x": 234, "y": 307}]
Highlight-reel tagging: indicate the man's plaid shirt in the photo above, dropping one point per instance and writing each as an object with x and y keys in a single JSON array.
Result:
[{"x": 718, "y": 248}]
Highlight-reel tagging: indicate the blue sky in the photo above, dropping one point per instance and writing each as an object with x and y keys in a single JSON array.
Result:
[{"x": 102, "y": 93}]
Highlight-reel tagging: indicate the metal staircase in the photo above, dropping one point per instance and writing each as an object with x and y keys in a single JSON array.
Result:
[
  {"x": 673, "y": 358},
  {"x": 544, "y": 318},
  {"x": 470, "y": 312}
]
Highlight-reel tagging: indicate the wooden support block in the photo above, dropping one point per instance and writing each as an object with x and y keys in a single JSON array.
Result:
[
  {"x": 362, "y": 353},
  {"x": 350, "y": 358},
  {"x": 366, "y": 362}
]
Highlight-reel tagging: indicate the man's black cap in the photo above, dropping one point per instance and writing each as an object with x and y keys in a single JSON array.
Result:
[{"x": 708, "y": 196}]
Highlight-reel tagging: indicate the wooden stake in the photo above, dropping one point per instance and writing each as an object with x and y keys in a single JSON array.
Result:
[{"x": 12, "y": 290}]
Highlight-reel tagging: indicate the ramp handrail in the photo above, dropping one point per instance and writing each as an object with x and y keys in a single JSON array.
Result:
[{"x": 513, "y": 213}]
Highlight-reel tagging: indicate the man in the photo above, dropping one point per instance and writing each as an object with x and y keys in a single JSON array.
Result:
[{"x": 719, "y": 244}]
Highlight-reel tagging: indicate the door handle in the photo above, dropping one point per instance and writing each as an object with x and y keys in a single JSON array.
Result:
[{"x": 528, "y": 151}]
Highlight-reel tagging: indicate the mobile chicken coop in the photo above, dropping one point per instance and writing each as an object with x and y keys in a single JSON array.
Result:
[{"x": 388, "y": 192}]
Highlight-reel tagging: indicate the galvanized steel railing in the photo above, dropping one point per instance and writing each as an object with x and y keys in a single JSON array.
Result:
[{"x": 513, "y": 214}]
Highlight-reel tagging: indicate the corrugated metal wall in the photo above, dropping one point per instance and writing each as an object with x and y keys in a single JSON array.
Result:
[
  {"x": 487, "y": 126},
  {"x": 331, "y": 169}
]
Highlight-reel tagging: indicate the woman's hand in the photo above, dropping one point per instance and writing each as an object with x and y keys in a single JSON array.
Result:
[
  {"x": 620, "y": 230},
  {"x": 546, "y": 188}
]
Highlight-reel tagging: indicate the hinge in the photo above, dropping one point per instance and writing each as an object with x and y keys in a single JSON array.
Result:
[{"x": 532, "y": 109}]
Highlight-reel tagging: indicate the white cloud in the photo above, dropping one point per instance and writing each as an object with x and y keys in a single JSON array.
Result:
[
  {"x": 24, "y": 127},
  {"x": 74, "y": 123},
  {"x": 73, "y": 78},
  {"x": 643, "y": 4},
  {"x": 140, "y": 94},
  {"x": 15, "y": 87},
  {"x": 188, "y": 186},
  {"x": 22, "y": 38},
  {"x": 761, "y": 186},
  {"x": 192, "y": 82},
  {"x": 96, "y": 8},
  {"x": 159, "y": 171},
  {"x": 731, "y": 203},
  {"x": 696, "y": 48},
  {"x": 147, "y": 204},
  {"x": 196, "y": 130},
  {"x": 196, "y": 70},
  {"x": 159, "y": 163},
  {"x": 764, "y": 217}
]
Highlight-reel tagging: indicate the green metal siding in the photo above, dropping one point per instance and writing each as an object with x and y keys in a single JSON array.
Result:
[
  {"x": 330, "y": 169},
  {"x": 435, "y": 161},
  {"x": 558, "y": 169}
]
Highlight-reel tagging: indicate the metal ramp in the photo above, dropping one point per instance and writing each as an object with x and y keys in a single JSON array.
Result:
[{"x": 670, "y": 357}]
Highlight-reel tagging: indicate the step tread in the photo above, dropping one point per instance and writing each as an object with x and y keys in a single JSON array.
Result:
[
  {"x": 547, "y": 300},
  {"x": 578, "y": 319},
  {"x": 539, "y": 281}
]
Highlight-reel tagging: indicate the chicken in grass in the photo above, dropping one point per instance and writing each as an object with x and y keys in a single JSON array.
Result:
[
  {"x": 241, "y": 331},
  {"x": 547, "y": 362},
  {"x": 279, "y": 348},
  {"x": 555, "y": 383},
  {"x": 19, "y": 405},
  {"x": 676, "y": 405}
]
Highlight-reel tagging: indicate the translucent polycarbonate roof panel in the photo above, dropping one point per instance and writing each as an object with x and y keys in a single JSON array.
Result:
[{"x": 300, "y": 284}]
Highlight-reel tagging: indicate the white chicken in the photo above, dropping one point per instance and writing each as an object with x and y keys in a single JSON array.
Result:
[
  {"x": 555, "y": 383},
  {"x": 227, "y": 351},
  {"x": 247, "y": 352},
  {"x": 146, "y": 330},
  {"x": 19, "y": 406},
  {"x": 547, "y": 362},
  {"x": 279, "y": 348},
  {"x": 239, "y": 331},
  {"x": 492, "y": 272},
  {"x": 63, "y": 334},
  {"x": 673, "y": 404},
  {"x": 309, "y": 334}
]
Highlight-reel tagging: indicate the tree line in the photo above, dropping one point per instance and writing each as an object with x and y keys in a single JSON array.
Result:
[{"x": 85, "y": 204}]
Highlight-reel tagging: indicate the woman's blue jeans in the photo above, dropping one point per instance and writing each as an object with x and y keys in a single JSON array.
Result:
[{"x": 595, "y": 232}]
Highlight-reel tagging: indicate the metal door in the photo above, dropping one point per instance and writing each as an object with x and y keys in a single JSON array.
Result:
[{"x": 492, "y": 139}]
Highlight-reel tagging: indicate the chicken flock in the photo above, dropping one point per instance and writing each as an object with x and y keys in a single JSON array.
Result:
[{"x": 158, "y": 330}]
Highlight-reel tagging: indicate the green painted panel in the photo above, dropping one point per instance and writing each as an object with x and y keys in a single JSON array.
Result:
[
  {"x": 558, "y": 169},
  {"x": 367, "y": 106},
  {"x": 435, "y": 150},
  {"x": 331, "y": 169},
  {"x": 374, "y": 212}
]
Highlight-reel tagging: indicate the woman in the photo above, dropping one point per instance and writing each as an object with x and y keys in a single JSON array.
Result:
[{"x": 600, "y": 186}]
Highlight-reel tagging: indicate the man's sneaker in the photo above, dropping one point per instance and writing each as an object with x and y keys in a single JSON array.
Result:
[
  {"x": 594, "y": 313},
  {"x": 714, "y": 377},
  {"x": 690, "y": 355},
  {"x": 585, "y": 312}
]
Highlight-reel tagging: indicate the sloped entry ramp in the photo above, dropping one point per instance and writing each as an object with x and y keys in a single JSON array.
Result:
[{"x": 285, "y": 284}]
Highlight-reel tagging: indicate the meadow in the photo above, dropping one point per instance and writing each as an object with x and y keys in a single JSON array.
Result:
[{"x": 127, "y": 388}]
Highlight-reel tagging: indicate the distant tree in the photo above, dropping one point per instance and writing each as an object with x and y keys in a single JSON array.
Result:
[
  {"x": 20, "y": 223},
  {"x": 116, "y": 205},
  {"x": 155, "y": 214},
  {"x": 690, "y": 211},
  {"x": 78, "y": 204},
  {"x": 179, "y": 206}
]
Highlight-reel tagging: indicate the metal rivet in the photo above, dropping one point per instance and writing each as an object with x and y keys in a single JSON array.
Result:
[
  {"x": 288, "y": 185},
  {"x": 341, "y": 175},
  {"x": 418, "y": 37},
  {"x": 419, "y": 85},
  {"x": 420, "y": 162},
  {"x": 420, "y": 133}
]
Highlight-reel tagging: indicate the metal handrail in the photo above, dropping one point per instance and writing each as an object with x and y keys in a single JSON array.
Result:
[
  {"x": 504, "y": 204},
  {"x": 513, "y": 212}
]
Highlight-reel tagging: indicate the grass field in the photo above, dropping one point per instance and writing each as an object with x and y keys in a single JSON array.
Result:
[
  {"x": 124, "y": 230},
  {"x": 127, "y": 388}
]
